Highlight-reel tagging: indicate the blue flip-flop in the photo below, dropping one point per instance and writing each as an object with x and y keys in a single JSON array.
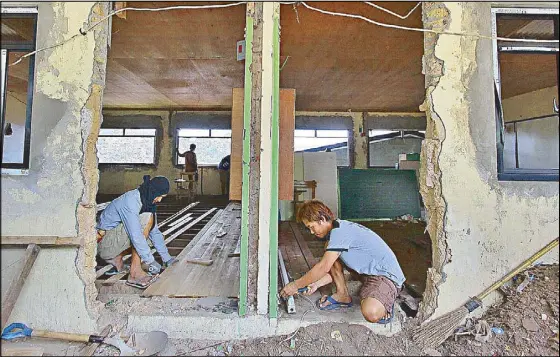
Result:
[
  {"x": 390, "y": 318},
  {"x": 334, "y": 305},
  {"x": 114, "y": 271}
]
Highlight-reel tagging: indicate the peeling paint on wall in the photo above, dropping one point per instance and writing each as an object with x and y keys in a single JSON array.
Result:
[{"x": 481, "y": 228}]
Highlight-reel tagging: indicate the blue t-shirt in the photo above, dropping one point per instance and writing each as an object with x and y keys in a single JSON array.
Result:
[
  {"x": 364, "y": 251},
  {"x": 224, "y": 164}
]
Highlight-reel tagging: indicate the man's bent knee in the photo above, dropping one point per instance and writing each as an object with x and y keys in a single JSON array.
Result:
[{"x": 373, "y": 310}]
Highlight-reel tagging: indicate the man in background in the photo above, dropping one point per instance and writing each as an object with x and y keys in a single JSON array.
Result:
[
  {"x": 191, "y": 167},
  {"x": 223, "y": 168}
]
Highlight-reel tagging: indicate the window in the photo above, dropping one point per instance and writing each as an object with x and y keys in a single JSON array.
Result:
[
  {"x": 18, "y": 39},
  {"x": 311, "y": 140},
  {"x": 385, "y": 146},
  {"x": 211, "y": 145},
  {"x": 526, "y": 79},
  {"x": 126, "y": 146}
]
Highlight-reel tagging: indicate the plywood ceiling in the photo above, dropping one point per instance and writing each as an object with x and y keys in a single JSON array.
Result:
[{"x": 187, "y": 59}]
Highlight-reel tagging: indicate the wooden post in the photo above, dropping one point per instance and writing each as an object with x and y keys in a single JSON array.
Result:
[{"x": 12, "y": 295}]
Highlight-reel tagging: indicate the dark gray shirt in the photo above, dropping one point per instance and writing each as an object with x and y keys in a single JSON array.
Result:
[{"x": 364, "y": 251}]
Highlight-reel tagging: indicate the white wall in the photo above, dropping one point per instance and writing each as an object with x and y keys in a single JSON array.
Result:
[{"x": 386, "y": 153}]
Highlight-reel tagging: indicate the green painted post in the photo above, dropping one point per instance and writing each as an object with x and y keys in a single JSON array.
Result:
[
  {"x": 275, "y": 126},
  {"x": 244, "y": 253}
]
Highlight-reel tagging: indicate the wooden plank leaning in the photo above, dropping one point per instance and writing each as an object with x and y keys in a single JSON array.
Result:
[{"x": 31, "y": 254}]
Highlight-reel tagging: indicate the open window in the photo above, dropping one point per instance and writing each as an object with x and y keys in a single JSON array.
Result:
[
  {"x": 212, "y": 145},
  {"x": 526, "y": 77},
  {"x": 126, "y": 146},
  {"x": 18, "y": 39},
  {"x": 385, "y": 146},
  {"x": 328, "y": 140}
]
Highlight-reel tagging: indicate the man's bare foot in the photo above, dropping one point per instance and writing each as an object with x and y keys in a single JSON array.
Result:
[
  {"x": 141, "y": 280},
  {"x": 117, "y": 262},
  {"x": 346, "y": 299}
]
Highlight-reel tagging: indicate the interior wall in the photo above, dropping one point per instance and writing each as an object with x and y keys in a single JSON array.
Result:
[
  {"x": 476, "y": 221},
  {"x": 13, "y": 144},
  {"x": 59, "y": 293},
  {"x": 117, "y": 179}
]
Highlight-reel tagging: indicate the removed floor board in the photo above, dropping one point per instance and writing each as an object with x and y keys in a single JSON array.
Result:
[{"x": 221, "y": 278}]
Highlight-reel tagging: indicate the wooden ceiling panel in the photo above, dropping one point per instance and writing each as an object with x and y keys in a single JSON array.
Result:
[
  {"x": 338, "y": 63},
  {"x": 186, "y": 58}
]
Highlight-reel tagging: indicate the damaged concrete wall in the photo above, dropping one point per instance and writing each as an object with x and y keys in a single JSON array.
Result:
[
  {"x": 481, "y": 228},
  {"x": 56, "y": 198},
  {"x": 117, "y": 179}
]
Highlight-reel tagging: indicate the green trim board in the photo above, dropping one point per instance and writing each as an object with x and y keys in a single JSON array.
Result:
[
  {"x": 244, "y": 251},
  {"x": 275, "y": 136},
  {"x": 378, "y": 193}
]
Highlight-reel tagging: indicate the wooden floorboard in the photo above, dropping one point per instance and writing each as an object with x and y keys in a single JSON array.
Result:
[{"x": 185, "y": 279}]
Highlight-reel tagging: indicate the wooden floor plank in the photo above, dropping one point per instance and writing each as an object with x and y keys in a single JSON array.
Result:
[{"x": 193, "y": 280}]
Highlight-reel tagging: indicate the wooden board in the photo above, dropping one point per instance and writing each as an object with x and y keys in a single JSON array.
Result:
[
  {"x": 31, "y": 254},
  {"x": 236, "y": 158},
  {"x": 307, "y": 254},
  {"x": 221, "y": 278},
  {"x": 286, "y": 145},
  {"x": 41, "y": 240}
]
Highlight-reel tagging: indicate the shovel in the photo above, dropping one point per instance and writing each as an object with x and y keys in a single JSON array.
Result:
[{"x": 153, "y": 342}]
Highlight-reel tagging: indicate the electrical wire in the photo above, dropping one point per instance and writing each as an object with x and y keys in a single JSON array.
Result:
[
  {"x": 425, "y": 30},
  {"x": 194, "y": 7},
  {"x": 84, "y": 32},
  {"x": 392, "y": 13}
]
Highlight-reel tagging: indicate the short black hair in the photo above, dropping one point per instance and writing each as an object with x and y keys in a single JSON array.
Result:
[{"x": 193, "y": 146}]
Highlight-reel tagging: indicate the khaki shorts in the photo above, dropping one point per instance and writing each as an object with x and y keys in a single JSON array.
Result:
[
  {"x": 380, "y": 288},
  {"x": 117, "y": 240}
]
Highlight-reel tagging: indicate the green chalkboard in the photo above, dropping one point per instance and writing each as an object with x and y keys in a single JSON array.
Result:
[{"x": 378, "y": 193}]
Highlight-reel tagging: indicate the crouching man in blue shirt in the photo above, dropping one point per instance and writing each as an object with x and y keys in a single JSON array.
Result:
[
  {"x": 361, "y": 251},
  {"x": 126, "y": 223}
]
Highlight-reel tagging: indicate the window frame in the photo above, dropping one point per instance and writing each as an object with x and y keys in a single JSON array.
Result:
[
  {"x": 178, "y": 136},
  {"x": 517, "y": 174},
  {"x": 143, "y": 164},
  {"x": 401, "y": 133},
  {"x": 18, "y": 12},
  {"x": 315, "y": 136}
]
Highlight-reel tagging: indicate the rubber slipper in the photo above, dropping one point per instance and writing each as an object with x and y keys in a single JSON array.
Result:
[
  {"x": 388, "y": 319},
  {"x": 114, "y": 271},
  {"x": 140, "y": 285},
  {"x": 334, "y": 305}
]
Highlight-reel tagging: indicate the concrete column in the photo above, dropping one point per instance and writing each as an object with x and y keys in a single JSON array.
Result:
[
  {"x": 267, "y": 85},
  {"x": 360, "y": 145}
]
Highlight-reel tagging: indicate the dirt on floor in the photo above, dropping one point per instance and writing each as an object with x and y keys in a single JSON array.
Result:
[{"x": 525, "y": 324}]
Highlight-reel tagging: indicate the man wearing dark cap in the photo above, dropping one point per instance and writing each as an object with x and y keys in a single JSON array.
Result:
[{"x": 126, "y": 223}]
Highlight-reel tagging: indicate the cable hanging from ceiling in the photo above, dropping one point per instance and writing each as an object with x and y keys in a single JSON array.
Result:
[{"x": 354, "y": 16}]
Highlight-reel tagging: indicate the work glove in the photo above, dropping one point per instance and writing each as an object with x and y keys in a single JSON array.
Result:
[
  {"x": 169, "y": 263},
  {"x": 152, "y": 268}
]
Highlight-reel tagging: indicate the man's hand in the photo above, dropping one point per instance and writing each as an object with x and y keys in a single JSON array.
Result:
[
  {"x": 311, "y": 288},
  {"x": 289, "y": 290}
]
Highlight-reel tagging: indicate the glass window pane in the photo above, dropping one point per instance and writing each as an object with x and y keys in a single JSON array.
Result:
[
  {"x": 302, "y": 133},
  {"x": 16, "y": 109},
  {"x": 525, "y": 26},
  {"x": 125, "y": 150},
  {"x": 194, "y": 132},
  {"x": 332, "y": 133},
  {"x": 209, "y": 151},
  {"x": 385, "y": 153},
  {"x": 140, "y": 132},
  {"x": 17, "y": 30},
  {"x": 337, "y": 145},
  {"x": 104, "y": 131},
  {"x": 221, "y": 133}
]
